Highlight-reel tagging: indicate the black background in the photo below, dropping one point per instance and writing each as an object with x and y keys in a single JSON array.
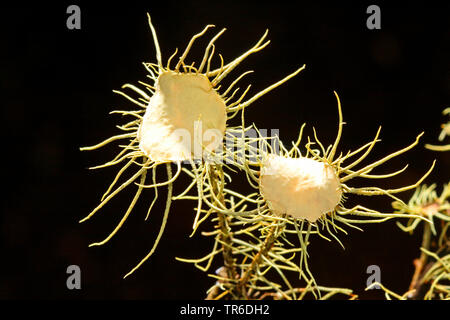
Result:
[{"x": 56, "y": 94}]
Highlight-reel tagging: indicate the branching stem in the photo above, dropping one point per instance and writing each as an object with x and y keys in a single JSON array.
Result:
[
  {"x": 226, "y": 237},
  {"x": 420, "y": 263}
]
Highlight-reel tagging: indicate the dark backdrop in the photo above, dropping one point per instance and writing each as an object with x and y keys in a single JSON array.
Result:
[{"x": 56, "y": 94}]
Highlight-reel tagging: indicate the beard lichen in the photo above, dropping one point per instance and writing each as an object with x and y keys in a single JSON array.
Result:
[
  {"x": 182, "y": 115},
  {"x": 299, "y": 193}
]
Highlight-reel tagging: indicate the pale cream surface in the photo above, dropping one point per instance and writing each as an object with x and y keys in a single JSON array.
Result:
[
  {"x": 184, "y": 113},
  {"x": 301, "y": 187}
]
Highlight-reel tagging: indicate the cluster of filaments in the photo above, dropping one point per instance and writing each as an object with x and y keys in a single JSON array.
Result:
[
  {"x": 436, "y": 208},
  {"x": 438, "y": 276},
  {"x": 320, "y": 173},
  {"x": 425, "y": 202},
  {"x": 183, "y": 102},
  {"x": 256, "y": 212},
  {"x": 257, "y": 243},
  {"x": 296, "y": 193}
]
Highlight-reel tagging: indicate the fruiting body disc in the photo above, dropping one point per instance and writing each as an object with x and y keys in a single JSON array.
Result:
[
  {"x": 301, "y": 187},
  {"x": 184, "y": 116}
]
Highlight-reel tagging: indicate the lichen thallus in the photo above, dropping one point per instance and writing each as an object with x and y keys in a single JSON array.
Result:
[{"x": 172, "y": 108}]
